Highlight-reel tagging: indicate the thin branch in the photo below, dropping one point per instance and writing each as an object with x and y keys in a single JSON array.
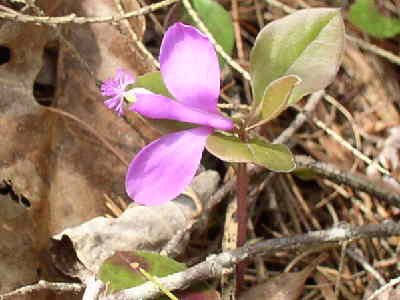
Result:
[
  {"x": 73, "y": 18},
  {"x": 349, "y": 147},
  {"x": 374, "y": 49},
  {"x": 356, "y": 181},
  {"x": 135, "y": 38},
  {"x": 44, "y": 285},
  {"x": 391, "y": 283},
  {"x": 366, "y": 265},
  {"x": 215, "y": 264}
]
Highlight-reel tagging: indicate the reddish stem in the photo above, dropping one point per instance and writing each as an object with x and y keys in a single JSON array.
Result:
[
  {"x": 242, "y": 215},
  {"x": 242, "y": 204}
]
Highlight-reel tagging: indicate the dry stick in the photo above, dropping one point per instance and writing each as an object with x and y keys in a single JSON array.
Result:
[
  {"x": 214, "y": 265},
  {"x": 391, "y": 283},
  {"x": 340, "y": 270},
  {"x": 374, "y": 49},
  {"x": 236, "y": 26},
  {"x": 239, "y": 44},
  {"x": 357, "y": 182},
  {"x": 157, "y": 23},
  {"x": 135, "y": 37},
  {"x": 44, "y": 285},
  {"x": 72, "y": 18},
  {"x": 349, "y": 147},
  {"x": 366, "y": 265}
]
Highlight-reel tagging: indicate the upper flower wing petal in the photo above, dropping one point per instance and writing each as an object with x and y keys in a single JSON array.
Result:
[
  {"x": 163, "y": 169},
  {"x": 189, "y": 67},
  {"x": 159, "y": 107}
]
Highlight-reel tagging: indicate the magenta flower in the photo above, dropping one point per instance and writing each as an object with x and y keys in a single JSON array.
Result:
[
  {"x": 116, "y": 89},
  {"x": 190, "y": 69}
]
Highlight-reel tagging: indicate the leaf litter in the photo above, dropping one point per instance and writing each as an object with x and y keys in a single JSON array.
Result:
[{"x": 63, "y": 171}]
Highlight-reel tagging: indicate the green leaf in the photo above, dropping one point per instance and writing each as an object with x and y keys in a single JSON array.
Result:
[
  {"x": 153, "y": 82},
  {"x": 230, "y": 148},
  {"x": 308, "y": 43},
  {"x": 365, "y": 15},
  {"x": 119, "y": 275},
  {"x": 218, "y": 21},
  {"x": 275, "y": 99}
]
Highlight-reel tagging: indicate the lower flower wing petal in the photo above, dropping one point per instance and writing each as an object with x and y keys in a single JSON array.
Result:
[
  {"x": 165, "y": 167},
  {"x": 159, "y": 107}
]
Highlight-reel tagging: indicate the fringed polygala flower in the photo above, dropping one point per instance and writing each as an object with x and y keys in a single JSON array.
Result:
[
  {"x": 116, "y": 88},
  {"x": 190, "y": 70}
]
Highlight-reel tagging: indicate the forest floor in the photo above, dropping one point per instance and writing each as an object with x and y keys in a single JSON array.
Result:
[{"x": 64, "y": 157}]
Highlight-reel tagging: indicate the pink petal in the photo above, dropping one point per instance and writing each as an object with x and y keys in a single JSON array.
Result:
[
  {"x": 159, "y": 107},
  {"x": 164, "y": 168},
  {"x": 189, "y": 67},
  {"x": 124, "y": 77},
  {"x": 116, "y": 103}
]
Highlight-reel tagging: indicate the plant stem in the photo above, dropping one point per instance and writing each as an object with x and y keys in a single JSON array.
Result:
[
  {"x": 242, "y": 204},
  {"x": 242, "y": 219}
]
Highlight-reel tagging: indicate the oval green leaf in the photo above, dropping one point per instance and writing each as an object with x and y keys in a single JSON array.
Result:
[
  {"x": 118, "y": 273},
  {"x": 308, "y": 43},
  {"x": 365, "y": 15},
  {"x": 275, "y": 157},
  {"x": 275, "y": 99},
  {"x": 153, "y": 82}
]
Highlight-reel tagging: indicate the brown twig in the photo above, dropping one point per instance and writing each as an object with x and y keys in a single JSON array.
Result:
[
  {"x": 356, "y": 181},
  {"x": 72, "y": 18},
  {"x": 135, "y": 37},
  {"x": 44, "y": 285}
]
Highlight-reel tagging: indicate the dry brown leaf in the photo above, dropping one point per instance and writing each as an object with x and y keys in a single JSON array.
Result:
[
  {"x": 286, "y": 286},
  {"x": 380, "y": 87},
  {"x": 62, "y": 169},
  {"x": 16, "y": 239}
]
